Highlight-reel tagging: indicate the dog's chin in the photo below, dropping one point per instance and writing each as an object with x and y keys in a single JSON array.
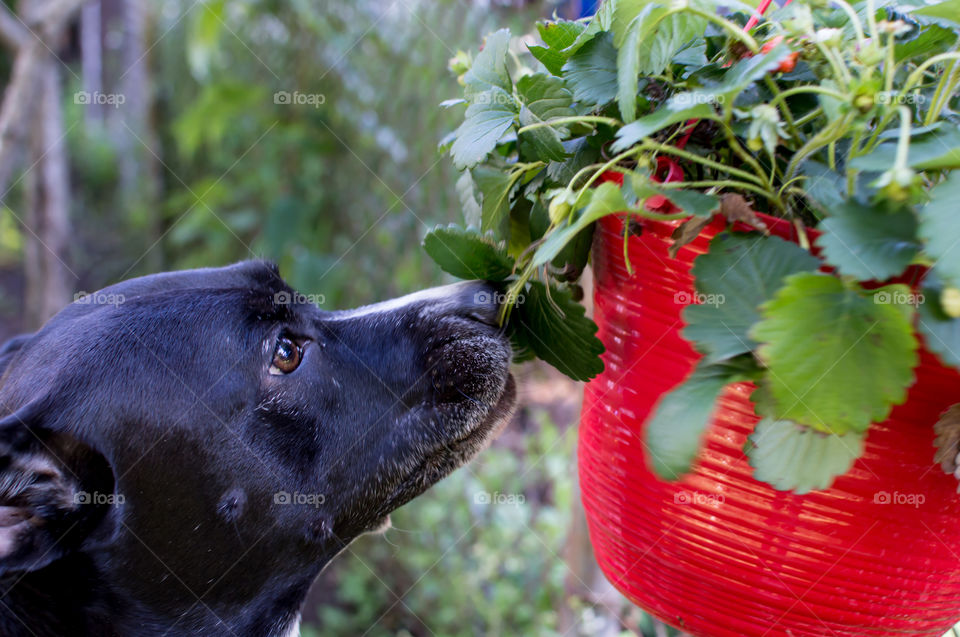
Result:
[{"x": 451, "y": 455}]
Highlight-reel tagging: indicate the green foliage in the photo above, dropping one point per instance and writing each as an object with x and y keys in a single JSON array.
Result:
[
  {"x": 815, "y": 115},
  {"x": 674, "y": 431},
  {"x": 739, "y": 274},
  {"x": 467, "y": 254},
  {"x": 791, "y": 457},
  {"x": 819, "y": 337}
]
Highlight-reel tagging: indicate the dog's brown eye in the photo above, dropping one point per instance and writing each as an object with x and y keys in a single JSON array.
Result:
[{"x": 286, "y": 356}]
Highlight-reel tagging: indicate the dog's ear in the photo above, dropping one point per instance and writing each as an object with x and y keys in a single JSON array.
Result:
[{"x": 54, "y": 491}]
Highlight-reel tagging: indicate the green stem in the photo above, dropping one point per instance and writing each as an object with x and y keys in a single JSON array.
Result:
[
  {"x": 889, "y": 68},
  {"x": 945, "y": 89},
  {"x": 918, "y": 72},
  {"x": 903, "y": 142},
  {"x": 871, "y": 17},
  {"x": 855, "y": 19},
  {"x": 734, "y": 30},
  {"x": 809, "y": 88},
  {"x": 559, "y": 121},
  {"x": 809, "y": 117},
  {"x": 787, "y": 115},
  {"x": 672, "y": 150},
  {"x": 740, "y": 151},
  {"x": 718, "y": 183},
  {"x": 830, "y": 133}
]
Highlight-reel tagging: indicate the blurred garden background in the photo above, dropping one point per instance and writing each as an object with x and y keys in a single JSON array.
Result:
[{"x": 152, "y": 136}]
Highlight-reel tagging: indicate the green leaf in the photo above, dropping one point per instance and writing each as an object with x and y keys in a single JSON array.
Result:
[
  {"x": 941, "y": 333},
  {"x": 825, "y": 188},
  {"x": 556, "y": 328},
  {"x": 838, "y": 360},
  {"x": 591, "y": 72},
  {"x": 485, "y": 122},
  {"x": 542, "y": 143},
  {"x": 469, "y": 199},
  {"x": 940, "y": 228},
  {"x": 660, "y": 118},
  {"x": 949, "y": 10},
  {"x": 495, "y": 187},
  {"x": 868, "y": 244},
  {"x": 558, "y": 36},
  {"x": 736, "y": 80},
  {"x": 932, "y": 40},
  {"x": 675, "y": 432},
  {"x": 605, "y": 200},
  {"x": 489, "y": 69},
  {"x": 791, "y": 457},
  {"x": 467, "y": 254},
  {"x": 545, "y": 97},
  {"x": 492, "y": 108},
  {"x": 738, "y": 274},
  {"x": 937, "y": 150}
]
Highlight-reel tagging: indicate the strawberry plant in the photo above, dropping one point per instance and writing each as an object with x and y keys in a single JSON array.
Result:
[{"x": 839, "y": 117}]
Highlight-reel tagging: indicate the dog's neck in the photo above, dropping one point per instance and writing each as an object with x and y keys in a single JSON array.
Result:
[{"x": 70, "y": 597}]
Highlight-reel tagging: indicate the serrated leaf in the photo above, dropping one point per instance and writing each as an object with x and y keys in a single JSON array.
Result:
[
  {"x": 930, "y": 41},
  {"x": 868, "y": 244},
  {"x": 940, "y": 228},
  {"x": 604, "y": 200},
  {"x": 556, "y": 328},
  {"x": 495, "y": 187},
  {"x": 545, "y": 98},
  {"x": 489, "y": 68},
  {"x": 485, "y": 122},
  {"x": 558, "y": 36},
  {"x": 941, "y": 333},
  {"x": 661, "y": 118},
  {"x": 838, "y": 359},
  {"x": 736, "y": 80},
  {"x": 735, "y": 277},
  {"x": 675, "y": 431},
  {"x": 467, "y": 254},
  {"x": 591, "y": 72},
  {"x": 791, "y": 457},
  {"x": 825, "y": 188},
  {"x": 542, "y": 143}
]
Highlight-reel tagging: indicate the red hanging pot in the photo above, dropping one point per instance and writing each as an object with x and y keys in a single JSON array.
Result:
[{"x": 719, "y": 554}]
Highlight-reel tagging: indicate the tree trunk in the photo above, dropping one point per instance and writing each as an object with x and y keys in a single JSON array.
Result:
[{"x": 49, "y": 280}]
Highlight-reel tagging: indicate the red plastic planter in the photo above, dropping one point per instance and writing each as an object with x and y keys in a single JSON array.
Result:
[{"x": 720, "y": 554}]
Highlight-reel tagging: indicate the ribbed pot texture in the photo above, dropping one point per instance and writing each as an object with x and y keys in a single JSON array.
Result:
[{"x": 719, "y": 554}]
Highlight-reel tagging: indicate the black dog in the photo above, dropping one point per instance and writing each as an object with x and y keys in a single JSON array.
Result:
[{"x": 182, "y": 453}]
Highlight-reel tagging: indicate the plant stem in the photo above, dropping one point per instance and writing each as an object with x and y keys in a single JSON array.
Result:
[
  {"x": 719, "y": 183},
  {"x": 733, "y": 29},
  {"x": 918, "y": 72},
  {"x": 787, "y": 115},
  {"x": 903, "y": 141},
  {"x": 672, "y": 150},
  {"x": 559, "y": 121},
  {"x": 855, "y": 19},
  {"x": 810, "y": 88},
  {"x": 945, "y": 89},
  {"x": 828, "y": 134},
  {"x": 812, "y": 115}
]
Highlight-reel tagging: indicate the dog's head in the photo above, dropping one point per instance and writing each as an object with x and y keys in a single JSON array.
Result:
[{"x": 204, "y": 434}]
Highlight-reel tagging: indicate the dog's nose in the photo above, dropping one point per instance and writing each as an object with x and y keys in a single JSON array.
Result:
[{"x": 478, "y": 300}]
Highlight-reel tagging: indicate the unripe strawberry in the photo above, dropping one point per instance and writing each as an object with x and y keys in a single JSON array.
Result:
[
  {"x": 950, "y": 302},
  {"x": 559, "y": 209}
]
